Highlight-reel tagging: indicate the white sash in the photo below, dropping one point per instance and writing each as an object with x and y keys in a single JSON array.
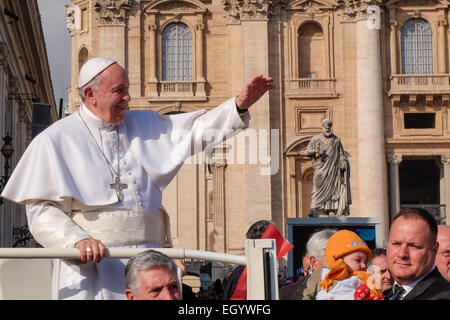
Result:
[{"x": 126, "y": 227}]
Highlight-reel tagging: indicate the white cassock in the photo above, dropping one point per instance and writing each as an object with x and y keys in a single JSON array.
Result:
[{"x": 64, "y": 181}]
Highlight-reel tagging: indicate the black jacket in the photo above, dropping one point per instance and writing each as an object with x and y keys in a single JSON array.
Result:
[
  {"x": 432, "y": 287},
  {"x": 232, "y": 282}
]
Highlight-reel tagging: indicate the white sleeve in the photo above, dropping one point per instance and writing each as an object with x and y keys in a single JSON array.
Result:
[{"x": 51, "y": 227}]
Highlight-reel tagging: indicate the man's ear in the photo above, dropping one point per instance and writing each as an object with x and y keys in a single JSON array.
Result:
[
  {"x": 89, "y": 95},
  {"x": 129, "y": 294},
  {"x": 436, "y": 247},
  {"x": 312, "y": 261}
]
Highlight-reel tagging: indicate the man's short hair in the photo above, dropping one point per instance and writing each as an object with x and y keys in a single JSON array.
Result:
[
  {"x": 318, "y": 242},
  {"x": 142, "y": 261},
  {"x": 377, "y": 252},
  {"x": 408, "y": 213},
  {"x": 256, "y": 230}
]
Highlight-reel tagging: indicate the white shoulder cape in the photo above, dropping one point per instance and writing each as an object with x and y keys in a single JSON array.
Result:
[{"x": 63, "y": 161}]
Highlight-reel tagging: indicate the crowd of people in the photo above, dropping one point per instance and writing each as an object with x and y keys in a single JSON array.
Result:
[{"x": 338, "y": 265}]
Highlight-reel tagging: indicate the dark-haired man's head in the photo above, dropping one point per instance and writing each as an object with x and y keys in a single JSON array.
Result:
[{"x": 412, "y": 245}]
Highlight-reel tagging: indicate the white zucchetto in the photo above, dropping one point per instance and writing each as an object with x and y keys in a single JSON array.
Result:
[{"x": 91, "y": 68}]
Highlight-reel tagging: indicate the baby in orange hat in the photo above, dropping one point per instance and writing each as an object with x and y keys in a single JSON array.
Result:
[{"x": 346, "y": 257}]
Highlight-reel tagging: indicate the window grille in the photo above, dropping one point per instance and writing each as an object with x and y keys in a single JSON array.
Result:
[
  {"x": 417, "y": 47},
  {"x": 177, "y": 53}
]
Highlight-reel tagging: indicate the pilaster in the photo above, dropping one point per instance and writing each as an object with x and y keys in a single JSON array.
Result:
[
  {"x": 112, "y": 22},
  {"x": 445, "y": 160},
  {"x": 253, "y": 19},
  {"x": 442, "y": 44},
  {"x": 394, "y": 161}
]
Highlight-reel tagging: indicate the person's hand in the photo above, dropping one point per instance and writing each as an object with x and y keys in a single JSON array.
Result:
[
  {"x": 180, "y": 265},
  {"x": 91, "y": 250},
  {"x": 253, "y": 90}
]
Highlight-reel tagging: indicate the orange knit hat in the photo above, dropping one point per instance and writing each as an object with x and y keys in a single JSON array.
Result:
[
  {"x": 344, "y": 242},
  {"x": 340, "y": 244}
]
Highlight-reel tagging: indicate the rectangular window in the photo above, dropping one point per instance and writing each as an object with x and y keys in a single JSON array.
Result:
[
  {"x": 84, "y": 19},
  {"x": 420, "y": 120}
]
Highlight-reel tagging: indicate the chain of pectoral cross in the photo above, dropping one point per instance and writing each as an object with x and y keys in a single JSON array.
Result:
[{"x": 117, "y": 185}]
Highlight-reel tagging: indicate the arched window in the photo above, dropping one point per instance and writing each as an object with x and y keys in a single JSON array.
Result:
[
  {"x": 310, "y": 51},
  {"x": 176, "y": 53},
  {"x": 83, "y": 56},
  {"x": 417, "y": 47}
]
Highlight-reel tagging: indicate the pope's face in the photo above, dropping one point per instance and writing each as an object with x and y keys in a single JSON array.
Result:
[
  {"x": 110, "y": 99},
  {"x": 410, "y": 250}
]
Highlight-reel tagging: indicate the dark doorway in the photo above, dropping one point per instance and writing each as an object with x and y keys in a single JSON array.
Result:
[{"x": 419, "y": 182}]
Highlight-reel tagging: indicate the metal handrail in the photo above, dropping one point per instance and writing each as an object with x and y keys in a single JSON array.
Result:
[
  {"x": 118, "y": 253},
  {"x": 253, "y": 260}
]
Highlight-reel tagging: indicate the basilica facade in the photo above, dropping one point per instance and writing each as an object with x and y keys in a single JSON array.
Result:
[{"x": 379, "y": 69}]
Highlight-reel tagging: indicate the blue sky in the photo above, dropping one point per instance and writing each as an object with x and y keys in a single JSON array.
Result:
[{"x": 58, "y": 42}]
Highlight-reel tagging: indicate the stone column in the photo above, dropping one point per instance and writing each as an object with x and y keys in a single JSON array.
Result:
[
  {"x": 200, "y": 77},
  {"x": 370, "y": 119},
  {"x": 445, "y": 159},
  {"x": 112, "y": 20},
  {"x": 219, "y": 215},
  {"x": 442, "y": 23},
  {"x": 394, "y": 161},
  {"x": 152, "y": 90},
  {"x": 4, "y": 215},
  {"x": 370, "y": 128},
  {"x": 218, "y": 173},
  {"x": 393, "y": 45}
]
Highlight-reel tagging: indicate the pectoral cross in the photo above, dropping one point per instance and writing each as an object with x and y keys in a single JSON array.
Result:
[{"x": 118, "y": 186}]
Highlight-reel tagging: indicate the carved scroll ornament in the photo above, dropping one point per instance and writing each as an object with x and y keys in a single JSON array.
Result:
[{"x": 111, "y": 11}]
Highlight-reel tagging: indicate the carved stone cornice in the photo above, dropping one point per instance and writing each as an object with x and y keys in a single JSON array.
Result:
[
  {"x": 112, "y": 11},
  {"x": 442, "y": 22},
  {"x": 153, "y": 27},
  {"x": 393, "y": 25},
  {"x": 238, "y": 10},
  {"x": 394, "y": 159},
  {"x": 354, "y": 10},
  {"x": 218, "y": 164},
  {"x": 415, "y": 3},
  {"x": 445, "y": 159}
]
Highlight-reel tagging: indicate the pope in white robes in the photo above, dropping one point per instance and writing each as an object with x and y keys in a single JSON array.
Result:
[{"x": 94, "y": 179}]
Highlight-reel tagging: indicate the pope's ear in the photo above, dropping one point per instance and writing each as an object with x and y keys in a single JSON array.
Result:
[{"x": 89, "y": 95}]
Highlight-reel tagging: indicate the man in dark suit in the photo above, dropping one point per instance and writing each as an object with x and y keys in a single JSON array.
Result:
[{"x": 411, "y": 253}]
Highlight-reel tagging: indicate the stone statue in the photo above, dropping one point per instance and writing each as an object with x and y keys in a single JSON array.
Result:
[{"x": 331, "y": 194}]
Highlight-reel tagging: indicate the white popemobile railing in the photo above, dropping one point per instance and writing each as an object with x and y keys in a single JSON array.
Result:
[{"x": 25, "y": 273}]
